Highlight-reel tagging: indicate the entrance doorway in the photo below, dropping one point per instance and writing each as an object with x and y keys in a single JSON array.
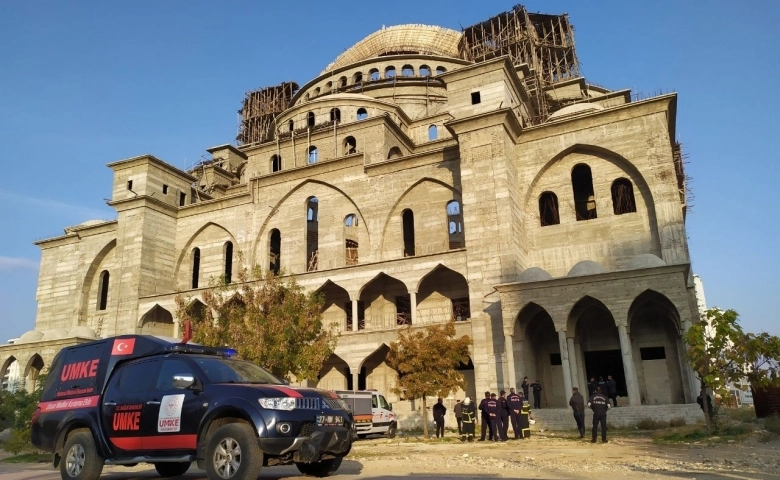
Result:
[{"x": 606, "y": 362}]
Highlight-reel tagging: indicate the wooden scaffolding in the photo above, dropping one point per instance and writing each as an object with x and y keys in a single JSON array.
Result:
[{"x": 259, "y": 110}]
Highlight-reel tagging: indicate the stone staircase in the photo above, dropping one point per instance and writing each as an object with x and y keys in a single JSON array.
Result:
[{"x": 562, "y": 418}]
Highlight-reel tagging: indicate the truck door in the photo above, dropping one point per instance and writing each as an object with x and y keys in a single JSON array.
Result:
[
  {"x": 383, "y": 416},
  {"x": 176, "y": 411}
]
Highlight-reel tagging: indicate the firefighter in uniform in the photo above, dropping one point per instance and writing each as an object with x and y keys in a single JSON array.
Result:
[
  {"x": 599, "y": 403},
  {"x": 515, "y": 404},
  {"x": 486, "y": 425},
  {"x": 469, "y": 419},
  {"x": 492, "y": 408},
  {"x": 525, "y": 419}
]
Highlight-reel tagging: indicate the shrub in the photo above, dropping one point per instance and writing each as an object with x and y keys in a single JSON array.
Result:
[
  {"x": 734, "y": 429},
  {"x": 677, "y": 422},
  {"x": 650, "y": 424},
  {"x": 745, "y": 414},
  {"x": 772, "y": 424}
]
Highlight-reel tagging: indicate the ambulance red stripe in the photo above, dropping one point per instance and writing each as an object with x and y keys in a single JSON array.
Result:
[{"x": 159, "y": 442}]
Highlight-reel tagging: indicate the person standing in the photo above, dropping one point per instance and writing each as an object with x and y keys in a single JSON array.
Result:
[
  {"x": 503, "y": 413},
  {"x": 601, "y": 383},
  {"x": 515, "y": 404},
  {"x": 612, "y": 390},
  {"x": 469, "y": 414},
  {"x": 599, "y": 403},
  {"x": 439, "y": 410},
  {"x": 537, "y": 388},
  {"x": 525, "y": 420},
  {"x": 491, "y": 407},
  {"x": 486, "y": 425},
  {"x": 525, "y": 386},
  {"x": 577, "y": 404},
  {"x": 458, "y": 410},
  {"x": 591, "y": 386}
]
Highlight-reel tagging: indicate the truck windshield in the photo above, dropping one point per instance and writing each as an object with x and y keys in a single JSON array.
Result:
[{"x": 220, "y": 370}]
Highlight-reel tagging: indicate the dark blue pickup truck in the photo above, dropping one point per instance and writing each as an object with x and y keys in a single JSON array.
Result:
[{"x": 135, "y": 398}]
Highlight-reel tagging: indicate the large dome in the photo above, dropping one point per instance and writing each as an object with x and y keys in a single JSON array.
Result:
[{"x": 411, "y": 38}]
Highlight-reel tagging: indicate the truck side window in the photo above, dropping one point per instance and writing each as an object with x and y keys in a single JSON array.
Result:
[
  {"x": 171, "y": 367},
  {"x": 383, "y": 403},
  {"x": 373, "y": 401},
  {"x": 138, "y": 377}
]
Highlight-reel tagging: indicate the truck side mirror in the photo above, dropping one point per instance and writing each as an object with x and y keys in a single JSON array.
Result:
[
  {"x": 390, "y": 406},
  {"x": 183, "y": 381}
]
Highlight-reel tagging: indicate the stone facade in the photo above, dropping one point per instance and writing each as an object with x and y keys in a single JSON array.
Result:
[{"x": 424, "y": 193}]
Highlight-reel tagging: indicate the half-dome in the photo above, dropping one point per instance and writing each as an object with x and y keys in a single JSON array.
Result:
[
  {"x": 534, "y": 274},
  {"x": 646, "y": 260},
  {"x": 82, "y": 331},
  {"x": 401, "y": 39},
  {"x": 585, "y": 267},
  {"x": 55, "y": 334},
  {"x": 576, "y": 109},
  {"x": 30, "y": 336}
]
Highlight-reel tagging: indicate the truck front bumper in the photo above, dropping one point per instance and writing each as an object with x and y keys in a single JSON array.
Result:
[{"x": 323, "y": 442}]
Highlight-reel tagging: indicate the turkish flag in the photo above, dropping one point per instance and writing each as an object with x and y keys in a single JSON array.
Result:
[{"x": 123, "y": 346}]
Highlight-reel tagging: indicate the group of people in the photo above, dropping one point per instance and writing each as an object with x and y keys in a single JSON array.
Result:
[
  {"x": 608, "y": 388},
  {"x": 599, "y": 403},
  {"x": 496, "y": 414}
]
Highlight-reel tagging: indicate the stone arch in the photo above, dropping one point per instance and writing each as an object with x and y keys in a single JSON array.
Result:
[
  {"x": 337, "y": 307},
  {"x": 375, "y": 373},
  {"x": 187, "y": 249},
  {"x": 6, "y": 365},
  {"x": 442, "y": 295},
  {"x": 387, "y": 301},
  {"x": 424, "y": 214},
  {"x": 260, "y": 239},
  {"x": 156, "y": 321},
  {"x": 196, "y": 309},
  {"x": 537, "y": 349},
  {"x": 33, "y": 368},
  {"x": 335, "y": 374},
  {"x": 92, "y": 271}
]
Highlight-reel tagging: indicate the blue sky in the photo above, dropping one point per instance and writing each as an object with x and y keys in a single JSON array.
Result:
[{"x": 83, "y": 84}]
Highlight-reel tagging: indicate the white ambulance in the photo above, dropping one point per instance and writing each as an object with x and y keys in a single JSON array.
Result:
[{"x": 378, "y": 419}]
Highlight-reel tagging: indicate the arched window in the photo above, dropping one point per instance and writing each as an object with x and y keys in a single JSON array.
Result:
[
  {"x": 310, "y": 119},
  {"x": 317, "y": 91},
  {"x": 276, "y": 163},
  {"x": 425, "y": 71},
  {"x": 335, "y": 115},
  {"x": 394, "y": 152},
  {"x": 455, "y": 225},
  {"x": 407, "y": 71},
  {"x": 350, "y": 145},
  {"x": 342, "y": 82},
  {"x": 623, "y": 197},
  {"x": 373, "y": 74},
  {"x": 328, "y": 87},
  {"x": 584, "y": 198},
  {"x": 195, "y": 267},
  {"x": 275, "y": 251},
  {"x": 351, "y": 239},
  {"x": 312, "y": 154},
  {"x": 357, "y": 78},
  {"x": 351, "y": 220},
  {"x": 548, "y": 209},
  {"x": 351, "y": 252},
  {"x": 390, "y": 72},
  {"x": 103, "y": 290},
  {"x": 433, "y": 133},
  {"x": 228, "y": 262},
  {"x": 312, "y": 233},
  {"x": 362, "y": 114},
  {"x": 440, "y": 70},
  {"x": 291, "y": 125},
  {"x": 408, "y": 232}
]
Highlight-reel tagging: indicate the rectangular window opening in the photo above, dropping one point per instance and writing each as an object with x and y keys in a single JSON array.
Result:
[
  {"x": 130, "y": 185},
  {"x": 165, "y": 189},
  {"x": 475, "y": 98},
  {"x": 182, "y": 199},
  {"x": 555, "y": 359},
  {"x": 652, "y": 353}
]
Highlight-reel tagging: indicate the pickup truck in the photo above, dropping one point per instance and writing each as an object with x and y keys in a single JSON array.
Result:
[{"x": 135, "y": 398}]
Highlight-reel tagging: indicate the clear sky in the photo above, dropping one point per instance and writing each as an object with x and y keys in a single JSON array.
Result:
[{"x": 86, "y": 83}]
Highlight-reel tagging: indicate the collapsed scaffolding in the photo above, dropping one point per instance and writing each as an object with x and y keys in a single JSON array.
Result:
[{"x": 543, "y": 42}]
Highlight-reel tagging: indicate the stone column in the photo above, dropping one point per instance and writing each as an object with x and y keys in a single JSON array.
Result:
[
  {"x": 509, "y": 346},
  {"x": 573, "y": 363},
  {"x": 413, "y": 301},
  {"x": 632, "y": 384},
  {"x": 354, "y": 316},
  {"x": 355, "y": 379},
  {"x": 565, "y": 366}
]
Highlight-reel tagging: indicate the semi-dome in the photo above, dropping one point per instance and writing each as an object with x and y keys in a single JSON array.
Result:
[
  {"x": 82, "y": 331},
  {"x": 585, "y": 267},
  {"x": 401, "y": 39},
  {"x": 55, "y": 334},
  {"x": 576, "y": 109},
  {"x": 534, "y": 274},
  {"x": 30, "y": 336},
  {"x": 646, "y": 260}
]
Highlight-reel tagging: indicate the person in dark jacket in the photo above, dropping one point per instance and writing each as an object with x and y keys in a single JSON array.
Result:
[
  {"x": 525, "y": 386},
  {"x": 577, "y": 404},
  {"x": 537, "y": 388},
  {"x": 486, "y": 425},
  {"x": 469, "y": 413},
  {"x": 515, "y": 404},
  {"x": 458, "y": 410},
  {"x": 503, "y": 413},
  {"x": 439, "y": 410},
  {"x": 591, "y": 386},
  {"x": 599, "y": 403},
  {"x": 601, "y": 383},
  {"x": 612, "y": 390},
  {"x": 492, "y": 408}
]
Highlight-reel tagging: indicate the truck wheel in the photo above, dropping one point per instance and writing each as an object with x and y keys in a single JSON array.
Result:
[
  {"x": 392, "y": 430},
  {"x": 81, "y": 460},
  {"x": 232, "y": 453},
  {"x": 172, "y": 469},
  {"x": 323, "y": 468}
]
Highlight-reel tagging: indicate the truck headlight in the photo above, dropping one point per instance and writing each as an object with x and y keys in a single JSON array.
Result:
[{"x": 279, "y": 403}]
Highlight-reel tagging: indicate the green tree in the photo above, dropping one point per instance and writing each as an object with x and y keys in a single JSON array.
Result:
[
  {"x": 271, "y": 321},
  {"x": 16, "y": 410},
  {"x": 427, "y": 361},
  {"x": 715, "y": 353},
  {"x": 762, "y": 355}
]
